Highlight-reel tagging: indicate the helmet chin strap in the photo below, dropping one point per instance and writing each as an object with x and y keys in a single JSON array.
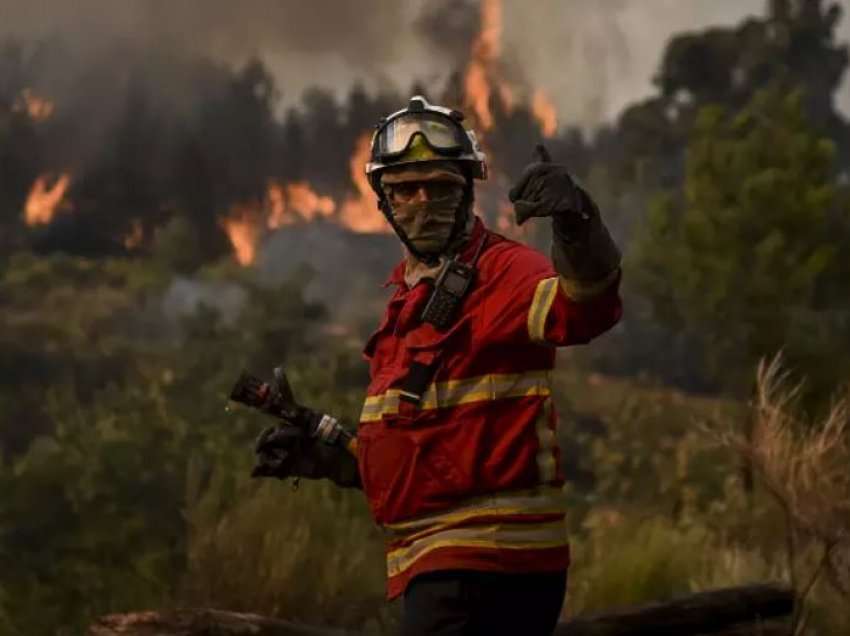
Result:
[{"x": 461, "y": 214}]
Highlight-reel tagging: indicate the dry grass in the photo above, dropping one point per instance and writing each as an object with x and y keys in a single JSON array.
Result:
[
  {"x": 804, "y": 465},
  {"x": 309, "y": 555}
]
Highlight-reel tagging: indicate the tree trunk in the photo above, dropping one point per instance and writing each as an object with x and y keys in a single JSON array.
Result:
[
  {"x": 737, "y": 611},
  {"x": 703, "y": 613},
  {"x": 202, "y": 622}
]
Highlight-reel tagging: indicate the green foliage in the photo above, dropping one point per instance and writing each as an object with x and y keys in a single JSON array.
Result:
[
  {"x": 311, "y": 554},
  {"x": 91, "y": 515},
  {"x": 99, "y": 504},
  {"x": 749, "y": 259},
  {"x": 792, "y": 45}
]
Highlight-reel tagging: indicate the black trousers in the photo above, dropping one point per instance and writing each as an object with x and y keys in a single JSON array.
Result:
[{"x": 467, "y": 603}]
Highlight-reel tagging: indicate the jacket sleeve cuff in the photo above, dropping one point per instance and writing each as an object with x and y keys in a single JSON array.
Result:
[{"x": 583, "y": 290}]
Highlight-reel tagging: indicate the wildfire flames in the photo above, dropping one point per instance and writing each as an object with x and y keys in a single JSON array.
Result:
[
  {"x": 38, "y": 108},
  {"x": 44, "y": 199},
  {"x": 485, "y": 52},
  {"x": 136, "y": 235},
  {"x": 483, "y": 79},
  {"x": 243, "y": 228},
  {"x": 544, "y": 111},
  {"x": 293, "y": 202},
  {"x": 361, "y": 214},
  {"x": 287, "y": 204}
]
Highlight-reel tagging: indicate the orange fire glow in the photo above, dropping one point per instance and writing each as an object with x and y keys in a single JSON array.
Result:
[
  {"x": 38, "y": 108},
  {"x": 134, "y": 238},
  {"x": 361, "y": 213},
  {"x": 293, "y": 202},
  {"x": 287, "y": 204},
  {"x": 485, "y": 52},
  {"x": 45, "y": 198},
  {"x": 507, "y": 97},
  {"x": 243, "y": 228},
  {"x": 544, "y": 112}
]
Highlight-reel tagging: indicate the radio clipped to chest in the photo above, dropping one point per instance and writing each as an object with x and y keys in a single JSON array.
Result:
[{"x": 450, "y": 289}]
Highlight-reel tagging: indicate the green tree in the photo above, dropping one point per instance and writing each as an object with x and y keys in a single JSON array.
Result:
[
  {"x": 793, "y": 43},
  {"x": 748, "y": 258}
]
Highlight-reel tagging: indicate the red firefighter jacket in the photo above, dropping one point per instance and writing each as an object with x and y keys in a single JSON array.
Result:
[{"x": 469, "y": 478}]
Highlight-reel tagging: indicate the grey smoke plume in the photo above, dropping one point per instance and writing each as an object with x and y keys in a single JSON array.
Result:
[
  {"x": 596, "y": 57},
  {"x": 592, "y": 57}
]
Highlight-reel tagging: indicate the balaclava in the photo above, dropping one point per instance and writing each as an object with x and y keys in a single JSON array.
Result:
[{"x": 428, "y": 225}]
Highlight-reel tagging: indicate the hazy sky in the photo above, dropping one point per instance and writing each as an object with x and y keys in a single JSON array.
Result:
[{"x": 592, "y": 56}]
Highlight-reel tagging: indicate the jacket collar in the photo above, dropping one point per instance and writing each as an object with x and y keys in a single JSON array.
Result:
[{"x": 466, "y": 253}]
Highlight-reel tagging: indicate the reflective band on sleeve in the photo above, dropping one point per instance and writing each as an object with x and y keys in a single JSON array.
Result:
[
  {"x": 499, "y": 536},
  {"x": 455, "y": 392},
  {"x": 544, "y": 296}
]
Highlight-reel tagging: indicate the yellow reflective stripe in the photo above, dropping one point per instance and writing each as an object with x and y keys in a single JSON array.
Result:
[
  {"x": 533, "y": 501},
  {"x": 544, "y": 296},
  {"x": 461, "y": 518},
  {"x": 513, "y": 536},
  {"x": 456, "y": 392},
  {"x": 546, "y": 443}
]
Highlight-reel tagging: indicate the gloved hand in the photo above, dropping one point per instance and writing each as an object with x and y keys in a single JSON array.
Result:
[
  {"x": 547, "y": 189},
  {"x": 583, "y": 252},
  {"x": 284, "y": 450}
]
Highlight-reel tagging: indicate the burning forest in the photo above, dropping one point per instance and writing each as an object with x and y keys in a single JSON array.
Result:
[
  {"x": 92, "y": 178},
  {"x": 183, "y": 196}
]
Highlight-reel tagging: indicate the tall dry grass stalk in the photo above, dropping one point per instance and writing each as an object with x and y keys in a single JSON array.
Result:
[{"x": 804, "y": 464}]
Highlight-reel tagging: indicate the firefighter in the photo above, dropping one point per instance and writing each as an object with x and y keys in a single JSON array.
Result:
[{"x": 456, "y": 449}]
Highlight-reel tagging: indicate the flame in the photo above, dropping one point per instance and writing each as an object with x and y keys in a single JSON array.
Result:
[
  {"x": 287, "y": 204},
  {"x": 243, "y": 228},
  {"x": 276, "y": 203},
  {"x": 44, "y": 200},
  {"x": 507, "y": 97},
  {"x": 544, "y": 112},
  {"x": 38, "y": 108},
  {"x": 307, "y": 203},
  {"x": 134, "y": 238},
  {"x": 361, "y": 213},
  {"x": 292, "y": 202},
  {"x": 485, "y": 53}
]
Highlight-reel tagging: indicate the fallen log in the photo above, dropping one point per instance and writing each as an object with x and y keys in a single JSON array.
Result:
[
  {"x": 702, "y": 613},
  {"x": 737, "y": 611},
  {"x": 202, "y": 622}
]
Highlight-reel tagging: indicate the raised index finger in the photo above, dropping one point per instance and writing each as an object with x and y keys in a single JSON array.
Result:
[{"x": 542, "y": 154}]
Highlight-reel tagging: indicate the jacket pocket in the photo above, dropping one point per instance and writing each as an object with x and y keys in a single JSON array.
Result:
[
  {"x": 406, "y": 473},
  {"x": 382, "y": 460}
]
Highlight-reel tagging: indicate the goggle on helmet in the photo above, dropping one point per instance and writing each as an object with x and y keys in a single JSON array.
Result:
[{"x": 423, "y": 132}]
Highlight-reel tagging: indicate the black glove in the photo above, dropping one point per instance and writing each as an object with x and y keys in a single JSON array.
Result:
[
  {"x": 547, "y": 189},
  {"x": 582, "y": 249},
  {"x": 284, "y": 450}
]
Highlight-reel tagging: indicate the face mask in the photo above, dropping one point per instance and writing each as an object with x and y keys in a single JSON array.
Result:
[{"x": 428, "y": 224}]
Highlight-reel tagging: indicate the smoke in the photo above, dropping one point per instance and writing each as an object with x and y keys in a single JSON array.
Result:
[
  {"x": 594, "y": 58},
  {"x": 591, "y": 57},
  {"x": 364, "y": 32},
  {"x": 321, "y": 43}
]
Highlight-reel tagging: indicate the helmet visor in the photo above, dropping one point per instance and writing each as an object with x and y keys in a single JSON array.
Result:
[{"x": 443, "y": 135}]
